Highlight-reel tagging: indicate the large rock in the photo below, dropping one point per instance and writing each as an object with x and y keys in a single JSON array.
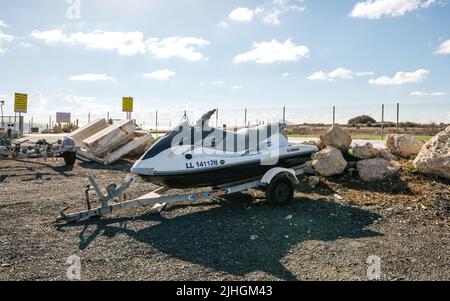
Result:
[
  {"x": 387, "y": 155},
  {"x": 403, "y": 145},
  {"x": 373, "y": 170},
  {"x": 366, "y": 151},
  {"x": 434, "y": 158},
  {"x": 336, "y": 137},
  {"x": 329, "y": 162}
]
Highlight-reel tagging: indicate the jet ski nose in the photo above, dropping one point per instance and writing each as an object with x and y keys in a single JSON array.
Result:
[{"x": 140, "y": 168}]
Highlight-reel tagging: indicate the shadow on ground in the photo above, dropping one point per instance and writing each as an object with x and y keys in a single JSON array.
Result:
[
  {"x": 62, "y": 170},
  {"x": 221, "y": 237},
  {"x": 120, "y": 165},
  {"x": 394, "y": 185}
]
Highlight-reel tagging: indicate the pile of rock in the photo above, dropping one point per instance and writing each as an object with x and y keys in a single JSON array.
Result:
[{"x": 374, "y": 164}]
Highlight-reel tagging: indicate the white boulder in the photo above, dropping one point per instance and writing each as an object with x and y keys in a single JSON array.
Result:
[
  {"x": 403, "y": 145},
  {"x": 336, "y": 137},
  {"x": 378, "y": 169},
  {"x": 366, "y": 151},
  {"x": 434, "y": 158},
  {"x": 329, "y": 162}
]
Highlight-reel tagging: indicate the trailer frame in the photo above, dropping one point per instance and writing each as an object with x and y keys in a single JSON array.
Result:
[
  {"x": 160, "y": 201},
  {"x": 16, "y": 151}
]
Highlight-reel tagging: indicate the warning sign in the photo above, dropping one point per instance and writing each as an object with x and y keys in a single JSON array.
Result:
[
  {"x": 20, "y": 103},
  {"x": 127, "y": 104}
]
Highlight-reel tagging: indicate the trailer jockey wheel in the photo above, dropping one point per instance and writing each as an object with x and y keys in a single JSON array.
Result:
[
  {"x": 70, "y": 158},
  {"x": 280, "y": 191}
]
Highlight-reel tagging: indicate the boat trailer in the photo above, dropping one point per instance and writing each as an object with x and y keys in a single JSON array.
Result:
[
  {"x": 278, "y": 184},
  {"x": 15, "y": 149}
]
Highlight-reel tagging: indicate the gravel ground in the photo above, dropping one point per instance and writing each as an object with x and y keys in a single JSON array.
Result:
[{"x": 327, "y": 233}]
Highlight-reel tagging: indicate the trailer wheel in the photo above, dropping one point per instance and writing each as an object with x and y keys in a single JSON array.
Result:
[
  {"x": 280, "y": 191},
  {"x": 70, "y": 158}
]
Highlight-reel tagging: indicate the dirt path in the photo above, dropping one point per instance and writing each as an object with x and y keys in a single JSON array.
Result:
[{"x": 328, "y": 233}]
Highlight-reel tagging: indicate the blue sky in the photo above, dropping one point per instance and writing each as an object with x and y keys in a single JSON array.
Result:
[{"x": 83, "y": 56}]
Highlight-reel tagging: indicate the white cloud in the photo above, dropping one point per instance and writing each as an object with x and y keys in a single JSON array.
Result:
[
  {"x": 3, "y": 24},
  {"x": 222, "y": 25},
  {"x": 163, "y": 75},
  {"x": 79, "y": 106},
  {"x": 242, "y": 14},
  {"x": 272, "y": 17},
  {"x": 92, "y": 77},
  {"x": 402, "y": 78},
  {"x": 369, "y": 73},
  {"x": 236, "y": 87},
  {"x": 269, "y": 13},
  {"x": 127, "y": 43},
  {"x": 419, "y": 93},
  {"x": 5, "y": 39},
  {"x": 177, "y": 47},
  {"x": 339, "y": 73},
  {"x": 286, "y": 74},
  {"x": 50, "y": 36},
  {"x": 25, "y": 44},
  {"x": 444, "y": 48},
  {"x": 274, "y": 51},
  {"x": 319, "y": 75},
  {"x": 375, "y": 9}
]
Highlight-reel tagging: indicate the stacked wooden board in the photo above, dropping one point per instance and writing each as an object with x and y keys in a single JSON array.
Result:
[{"x": 105, "y": 144}]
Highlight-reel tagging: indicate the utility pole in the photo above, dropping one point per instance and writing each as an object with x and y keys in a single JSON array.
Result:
[
  {"x": 89, "y": 117},
  {"x": 284, "y": 114}
]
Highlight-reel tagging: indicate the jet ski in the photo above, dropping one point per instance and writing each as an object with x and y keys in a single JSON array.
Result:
[{"x": 192, "y": 156}]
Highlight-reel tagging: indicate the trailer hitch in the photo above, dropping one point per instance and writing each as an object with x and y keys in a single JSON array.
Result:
[{"x": 112, "y": 191}]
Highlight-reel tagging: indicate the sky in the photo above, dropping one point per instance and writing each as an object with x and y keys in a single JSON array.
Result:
[{"x": 83, "y": 56}]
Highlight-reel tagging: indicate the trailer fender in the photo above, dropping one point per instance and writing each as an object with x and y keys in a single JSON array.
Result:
[{"x": 271, "y": 174}]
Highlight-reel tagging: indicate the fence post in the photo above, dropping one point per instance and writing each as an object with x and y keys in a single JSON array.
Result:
[
  {"x": 382, "y": 122},
  {"x": 398, "y": 116},
  {"x": 334, "y": 115},
  {"x": 245, "y": 118}
]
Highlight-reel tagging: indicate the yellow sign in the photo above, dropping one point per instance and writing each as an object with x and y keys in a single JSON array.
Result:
[
  {"x": 127, "y": 104},
  {"x": 20, "y": 103}
]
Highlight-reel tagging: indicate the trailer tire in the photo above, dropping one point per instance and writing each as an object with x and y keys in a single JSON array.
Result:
[
  {"x": 280, "y": 191},
  {"x": 70, "y": 158}
]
